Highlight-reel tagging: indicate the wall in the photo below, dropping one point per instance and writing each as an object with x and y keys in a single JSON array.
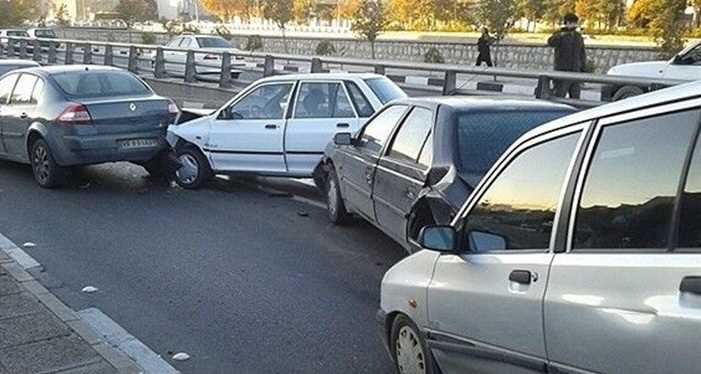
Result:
[{"x": 512, "y": 56}]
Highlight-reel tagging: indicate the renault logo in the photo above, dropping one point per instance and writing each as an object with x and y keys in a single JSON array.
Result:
[{"x": 132, "y": 107}]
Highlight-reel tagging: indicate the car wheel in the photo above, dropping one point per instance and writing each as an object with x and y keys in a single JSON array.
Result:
[
  {"x": 193, "y": 169},
  {"x": 335, "y": 206},
  {"x": 47, "y": 172},
  {"x": 626, "y": 92},
  {"x": 410, "y": 352}
]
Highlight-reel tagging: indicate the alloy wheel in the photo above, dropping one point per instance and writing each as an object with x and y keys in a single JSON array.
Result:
[
  {"x": 41, "y": 163},
  {"x": 332, "y": 197},
  {"x": 189, "y": 168}
]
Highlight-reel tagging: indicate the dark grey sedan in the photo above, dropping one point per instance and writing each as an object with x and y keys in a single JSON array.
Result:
[
  {"x": 416, "y": 161},
  {"x": 62, "y": 116}
]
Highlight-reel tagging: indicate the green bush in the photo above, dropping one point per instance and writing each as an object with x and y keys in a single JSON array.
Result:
[
  {"x": 590, "y": 67},
  {"x": 325, "y": 48},
  {"x": 434, "y": 56},
  {"x": 253, "y": 43},
  {"x": 148, "y": 38}
]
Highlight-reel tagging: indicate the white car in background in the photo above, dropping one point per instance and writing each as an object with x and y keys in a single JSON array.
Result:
[
  {"x": 686, "y": 65},
  {"x": 175, "y": 60},
  {"x": 277, "y": 126}
]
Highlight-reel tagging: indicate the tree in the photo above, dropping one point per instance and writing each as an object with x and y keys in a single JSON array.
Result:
[
  {"x": 281, "y": 12},
  {"x": 226, "y": 10},
  {"x": 61, "y": 15},
  {"x": 133, "y": 11},
  {"x": 369, "y": 22},
  {"x": 696, "y": 4},
  {"x": 15, "y": 12},
  {"x": 532, "y": 10},
  {"x": 499, "y": 16},
  {"x": 667, "y": 26}
]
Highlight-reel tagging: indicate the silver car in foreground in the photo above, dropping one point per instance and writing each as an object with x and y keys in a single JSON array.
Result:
[{"x": 579, "y": 252}]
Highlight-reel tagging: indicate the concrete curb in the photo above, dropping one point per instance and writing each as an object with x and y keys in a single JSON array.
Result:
[{"x": 116, "y": 358}]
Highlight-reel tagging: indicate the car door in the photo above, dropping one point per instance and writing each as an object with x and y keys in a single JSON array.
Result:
[
  {"x": 171, "y": 58},
  {"x": 6, "y": 86},
  {"x": 399, "y": 176},
  {"x": 249, "y": 135},
  {"x": 485, "y": 310},
  {"x": 321, "y": 110},
  {"x": 21, "y": 112},
  {"x": 357, "y": 169},
  {"x": 626, "y": 296},
  {"x": 686, "y": 66}
]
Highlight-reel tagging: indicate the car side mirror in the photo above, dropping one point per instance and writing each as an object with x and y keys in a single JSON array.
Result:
[
  {"x": 441, "y": 238},
  {"x": 343, "y": 138},
  {"x": 481, "y": 241}
]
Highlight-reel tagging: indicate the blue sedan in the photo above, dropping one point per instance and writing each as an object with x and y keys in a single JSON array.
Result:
[{"x": 62, "y": 116}]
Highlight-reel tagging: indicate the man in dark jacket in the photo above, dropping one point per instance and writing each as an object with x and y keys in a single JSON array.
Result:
[
  {"x": 570, "y": 55},
  {"x": 484, "y": 48}
]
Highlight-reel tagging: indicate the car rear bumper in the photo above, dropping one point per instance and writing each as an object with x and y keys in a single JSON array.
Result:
[{"x": 73, "y": 150}]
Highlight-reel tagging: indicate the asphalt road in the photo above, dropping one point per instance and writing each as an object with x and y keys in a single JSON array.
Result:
[{"x": 243, "y": 280}]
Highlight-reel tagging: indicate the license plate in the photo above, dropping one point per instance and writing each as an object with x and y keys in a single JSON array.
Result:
[{"x": 137, "y": 143}]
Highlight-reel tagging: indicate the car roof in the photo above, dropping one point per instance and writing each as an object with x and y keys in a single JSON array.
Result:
[
  {"x": 18, "y": 62},
  {"x": 56, "y": 69},
  {"x": 484, "y": 103},
  {"x": 321, "y": 76},
  {"x": 202, "y": 36},
  {"x": 655, "y": 98}
]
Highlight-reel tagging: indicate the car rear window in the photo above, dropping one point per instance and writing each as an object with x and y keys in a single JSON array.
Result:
[
  {"x": 484, "y": 136},
  {"x": 385, "y": 89},
  {"x": 86, "y": 84},
  {"x": 213, "y": 43},
  {"x": 45, "y": 33}
]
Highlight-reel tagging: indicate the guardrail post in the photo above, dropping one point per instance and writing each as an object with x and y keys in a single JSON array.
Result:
[
  {"x": 543, "y": 91},
  {"x": 36, "y": 51},
  {"x": 450, "y": 82},
  {"x": 190, "y": 66},
  {"x": 269, "y": 66},
  {"x": 159, "y": 65},
  {"x": 52, "y": 53},
  {"x": 131, "y": 66},
  {"x": 225, "y": 76},
  {"x": 69, "y": 54},
  {"x": 87, "y": 54},
  {"x": 316, "y": 65},
  {"x": 380, "y": 69},
  {"x": 8, "y": 48},
  {"x": 23, "y": 49},
  {"x": 109, "y": 55}
]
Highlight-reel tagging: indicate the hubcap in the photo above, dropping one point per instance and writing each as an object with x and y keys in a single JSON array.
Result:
[
  {"x": 189, "y": 168},
  {"x": 331, "y": 196},
  {"x": 410, "y": 356},
  {"x": 41, "y": 163}
]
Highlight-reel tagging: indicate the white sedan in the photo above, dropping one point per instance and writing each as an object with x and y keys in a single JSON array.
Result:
[
  {"x": 207, "y": 63},
  {"x": 277, "y": 126},
  {"x": 686, "y": 65}
]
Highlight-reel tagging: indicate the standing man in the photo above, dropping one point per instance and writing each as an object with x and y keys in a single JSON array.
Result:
[
  {"x": 484, "y": 48},
  {"x": 570, "y": 55}
]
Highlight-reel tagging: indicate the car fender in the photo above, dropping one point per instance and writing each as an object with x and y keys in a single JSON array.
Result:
[
  {"x": 35, "y": 128},
  {"x": 404, "y": 287},
  {"x": 649, "y": 69},
  {"x": 195, "y": 132}
]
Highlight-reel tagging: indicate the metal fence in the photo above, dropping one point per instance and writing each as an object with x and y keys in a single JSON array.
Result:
[{"x": 238, "y": 68}]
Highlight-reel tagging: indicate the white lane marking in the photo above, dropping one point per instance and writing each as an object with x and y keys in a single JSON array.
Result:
[
  {"x": 21, "y": 257},
  {"x": 119, "y": 338}
]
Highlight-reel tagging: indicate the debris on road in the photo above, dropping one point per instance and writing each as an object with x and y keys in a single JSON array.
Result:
[
  {"x": 302, "y": 213},
  {"x": 89, "y": 289},
  {"x": 181, "y": 356},
  {"x": 29, "y": 245}
]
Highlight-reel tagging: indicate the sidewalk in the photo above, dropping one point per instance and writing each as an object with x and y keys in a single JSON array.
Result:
[{"x": 40, "y": 334}]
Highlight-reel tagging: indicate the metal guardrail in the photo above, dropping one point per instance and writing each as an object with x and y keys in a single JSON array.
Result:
[{"x": 445, "y": 76}]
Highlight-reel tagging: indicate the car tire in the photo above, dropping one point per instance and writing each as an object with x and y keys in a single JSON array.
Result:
[
  {"x": 335, "y": 207},
  {"x": 47, "y": 173},
  {"x": 410, "y": 352},
  {"x": 194, "y": 169},
  {"x": 626, "y": 92}
]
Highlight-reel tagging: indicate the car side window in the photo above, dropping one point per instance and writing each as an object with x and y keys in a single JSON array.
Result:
[
  {"x": 411, "y": 136},
  {"x": 323, "y": 100},
  {"x": 517, "y": 211},
  {"x": 185, "y": 43},
  {"x": 690, "y": 209},
  {"x": 377, "y": 131},
  {"x": 264, "y": 102},
  {"x": 361, "y": 103},
  {"x": 628, "y": 195},
  {"x": 693, "y": 57},
  {"x": 174, "y": 43},
  {"x": 6, "y": 86},
  {"x": 22, "y": 94},
  {"x": 37, "y": 91}
]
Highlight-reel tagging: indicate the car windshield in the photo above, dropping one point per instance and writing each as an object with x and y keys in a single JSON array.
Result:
[
  {"x": 45, "y": 33},
  {"x": 385, "y": 89},
  {"x": 213, "y": 43},
  {"x": 484, "y": 136},
  {"x": 87, "y": 84}
]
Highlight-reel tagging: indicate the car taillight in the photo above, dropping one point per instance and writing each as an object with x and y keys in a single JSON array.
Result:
[
  {"x": 173, "y": 108},
  {"x": 211, "y": 57},
  {"x": 75, "y": 114}
]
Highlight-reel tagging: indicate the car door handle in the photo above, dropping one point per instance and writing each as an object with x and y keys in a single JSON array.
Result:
[
  {"x": 521, "y": 276},
  {"x": 271, "y": 127},
  {"x": 23, "y": 116},
  {"x": 342, "y": 125},
  {"x": 691, "y": 285}
]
